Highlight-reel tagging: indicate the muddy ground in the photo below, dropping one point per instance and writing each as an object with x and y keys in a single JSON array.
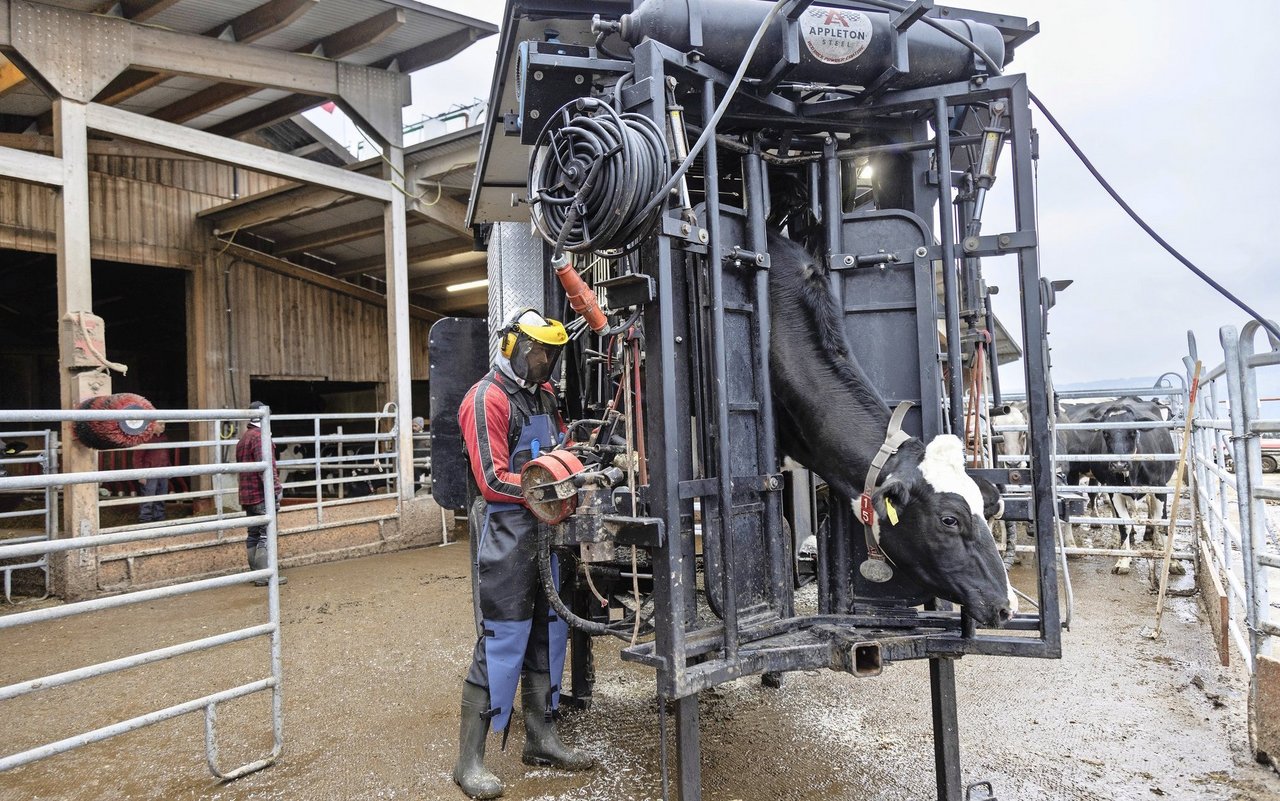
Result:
[{"x": 375, "y": 648}]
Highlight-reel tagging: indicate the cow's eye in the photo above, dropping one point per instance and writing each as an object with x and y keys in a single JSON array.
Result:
[{"x": 949, "y": 521}]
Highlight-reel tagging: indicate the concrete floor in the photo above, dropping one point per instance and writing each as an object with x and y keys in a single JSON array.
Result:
[{"x": 375, "y": 648}]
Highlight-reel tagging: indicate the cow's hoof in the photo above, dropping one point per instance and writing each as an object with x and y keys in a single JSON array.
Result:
[
  {"x": 1123, "y": 566},
  {"x": 1176, "y": 568}
]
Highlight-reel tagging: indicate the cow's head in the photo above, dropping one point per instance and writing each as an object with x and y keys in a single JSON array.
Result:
[
  {"x": 940, "y": 538},
  {"x": 1120, "y": 442}
]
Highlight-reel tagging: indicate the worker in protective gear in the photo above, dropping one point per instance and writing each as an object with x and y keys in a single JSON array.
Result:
[{"x": 508, "y": 418}]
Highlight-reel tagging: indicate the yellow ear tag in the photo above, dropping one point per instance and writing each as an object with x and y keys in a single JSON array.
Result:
[{"x": 892, "y": 513}]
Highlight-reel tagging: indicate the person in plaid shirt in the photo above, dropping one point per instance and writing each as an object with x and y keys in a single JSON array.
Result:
[{"x": 252, "y": 499}]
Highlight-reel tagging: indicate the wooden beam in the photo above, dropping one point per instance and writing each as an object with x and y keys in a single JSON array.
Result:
[
  {"x": 269, "y": 114},
  {"x": 11, "y": 78},
  {"x": 203, "y": 57},
  {"x": 211, "y": 98},
  {"x": 143, "y": 10},
  {"x": 415, "y": 58},
  {"x": 22, "y": 165},
  {"x": 323, "y": 139},
  {"x": 351, "y": 232},
  {"x": 361, "y": 35},
  {"x": 446, "y": 264},
  {"x": 471, "y": 299},
  {"x": 74, "y": 579},
  {"x": 264, "y": 20},
  {"x": 435, "y": 51},
  {"x": 138, "y": 128},
  {"x": 399, "y": 352},
  {"x": 136, "y": 10},
  {"x": 128, "y": 84},
  {"x": 283, "y": 204},
  {"x": 444, "y": 211},
  {"x": 277, "y": 265},
  {"x": 248, "y": 27},
  {"x": 442, "y": 165},
  {"x": 334, "y": 46},
  {"x": 433, "y": 282},
  {"x": 416, "y": 256}
]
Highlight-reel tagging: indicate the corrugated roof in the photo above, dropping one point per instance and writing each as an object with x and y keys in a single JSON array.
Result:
[
  {"x": 24, "y": 107},
  {"x": 299, "y": 217}
]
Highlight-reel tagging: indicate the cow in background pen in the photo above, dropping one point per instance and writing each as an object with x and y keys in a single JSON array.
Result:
[
  {"x": 1009, "y": 444},
  {"x": 1125, "y": 443}
]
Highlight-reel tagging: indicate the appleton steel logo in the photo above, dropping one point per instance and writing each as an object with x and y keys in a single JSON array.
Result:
[{"x": 835, "y": 35}]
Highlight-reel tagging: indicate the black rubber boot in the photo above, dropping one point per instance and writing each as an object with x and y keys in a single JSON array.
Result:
[
  {"x": 542, "y": 745},
  {"x": 470, "y": 773},
  {"x": 252, "y": 553},
  {"x": 258, "y": 561}
]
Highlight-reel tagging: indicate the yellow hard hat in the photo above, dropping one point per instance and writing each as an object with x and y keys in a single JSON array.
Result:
[{"x": 533, "y": 325}]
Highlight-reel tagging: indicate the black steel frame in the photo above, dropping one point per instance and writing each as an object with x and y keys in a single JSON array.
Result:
[{"x": 690, "y": 267}]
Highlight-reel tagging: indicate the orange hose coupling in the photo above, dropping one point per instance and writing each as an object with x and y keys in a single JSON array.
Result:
[{"x": 581, "y": 298}]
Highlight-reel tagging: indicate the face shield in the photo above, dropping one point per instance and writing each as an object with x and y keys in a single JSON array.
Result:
[{"x": 533, "y": 361}]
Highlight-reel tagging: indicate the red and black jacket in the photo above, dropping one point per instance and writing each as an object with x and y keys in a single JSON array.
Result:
[{"x": 491, "y": 416}]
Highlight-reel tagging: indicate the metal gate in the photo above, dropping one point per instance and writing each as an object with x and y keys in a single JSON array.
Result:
[
  {"x": 42, "y": 548},
  {"x": 20, "y": 454},
  {"x": 1238, "y": 525}
]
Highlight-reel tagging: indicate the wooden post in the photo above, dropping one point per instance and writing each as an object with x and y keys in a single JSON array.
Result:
[
  {"x": 74, "y": 573},
  {"x": 400, "y": 368}
]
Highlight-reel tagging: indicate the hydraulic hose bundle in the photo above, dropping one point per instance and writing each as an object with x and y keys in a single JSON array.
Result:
[{"x": 592, "y": 175}]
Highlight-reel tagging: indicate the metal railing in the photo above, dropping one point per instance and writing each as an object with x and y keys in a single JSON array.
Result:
[
  {"x": 19, "y": 525},
  {"x": 422, "y": 461},
  {"x": 341, "y": 459},
  {"x": 1098, "y": 494},
  {"x": 46, "y": 547},
  {"x": 1232, "y": 494},
  {"x": 351, "y": 459}
]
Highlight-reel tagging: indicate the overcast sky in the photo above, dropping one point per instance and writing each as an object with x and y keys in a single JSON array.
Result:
[{"x": 1176, "y": 104}]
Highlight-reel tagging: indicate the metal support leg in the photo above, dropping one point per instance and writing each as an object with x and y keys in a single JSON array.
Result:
[
  {"x": 690, "y": 748},
  {"x": 582, "y": 664},
  {"x": 946, "y": 728}
]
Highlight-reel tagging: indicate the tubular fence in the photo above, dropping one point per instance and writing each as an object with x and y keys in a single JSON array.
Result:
[
  {"x": 27, "y": 515},
  {"x": 1234, "y": 515},
  {"x": 44, "y": 547},
  {"x": 325, "y": 461},
  {"x": 1238, "y": 516}
]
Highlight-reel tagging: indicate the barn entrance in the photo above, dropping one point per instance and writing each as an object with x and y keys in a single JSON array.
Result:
[{"x": 145, "y": 309}]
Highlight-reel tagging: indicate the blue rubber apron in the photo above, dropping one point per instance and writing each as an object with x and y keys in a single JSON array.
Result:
[{"x": 511, "y": 597}]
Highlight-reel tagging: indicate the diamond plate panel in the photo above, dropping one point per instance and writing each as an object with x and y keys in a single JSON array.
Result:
[{"x": 517, "y": 273}]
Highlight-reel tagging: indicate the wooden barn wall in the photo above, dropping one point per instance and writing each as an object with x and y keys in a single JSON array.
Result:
[
  {"x": 285, "y": 328},
  {"x": 141, "y": 209}
]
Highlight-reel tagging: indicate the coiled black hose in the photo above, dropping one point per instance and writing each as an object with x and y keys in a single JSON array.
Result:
[{"x": 591, "y": 173}]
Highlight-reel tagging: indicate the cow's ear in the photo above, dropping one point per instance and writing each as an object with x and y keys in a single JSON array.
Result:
[
  {"x": 893, "y": 494},
  {"x": 992, "y": 503}
]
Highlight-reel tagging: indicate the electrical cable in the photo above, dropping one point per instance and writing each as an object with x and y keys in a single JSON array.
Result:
[
  {"x": 1265, "y": 323},
  {"x": 710, "y": 125},
  {"x": 557, "y": 603}
]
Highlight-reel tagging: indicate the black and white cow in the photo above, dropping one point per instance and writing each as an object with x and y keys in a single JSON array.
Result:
[
  {"x": 832, "y": 420},
  {"x": 1128, "y": 442},
  {"x": 1123, "y": 443}
]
